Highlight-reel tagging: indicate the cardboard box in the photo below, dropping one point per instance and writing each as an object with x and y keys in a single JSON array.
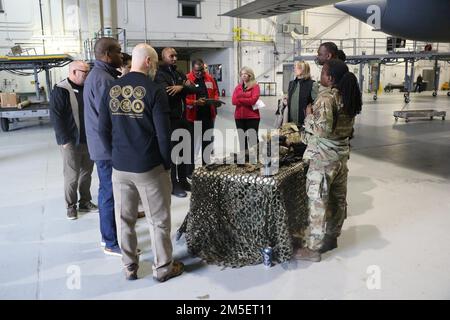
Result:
[{"x": 8, "y": 100}]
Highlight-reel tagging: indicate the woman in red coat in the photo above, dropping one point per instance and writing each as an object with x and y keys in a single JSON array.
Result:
[{"x": 246, "y": 115}]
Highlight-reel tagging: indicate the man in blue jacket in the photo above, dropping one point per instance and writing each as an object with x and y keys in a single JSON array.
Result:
[
  {"x": 66, "y": 114},
  {"x": 108, "y": 58},
  {"x": 135, "y": 127}
]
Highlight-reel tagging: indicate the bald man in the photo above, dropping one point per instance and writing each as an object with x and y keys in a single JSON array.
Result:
[
  {"x": 67, "y": 116},
  {"x": 135, "y": 127},
  {"x": 177, "y": 87}
]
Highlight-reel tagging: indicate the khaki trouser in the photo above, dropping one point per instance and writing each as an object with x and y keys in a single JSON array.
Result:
[
  {"x": 326, "y": 187},
  {"x": 77, "y": 170},
  {"x": 154, "y": 189}
]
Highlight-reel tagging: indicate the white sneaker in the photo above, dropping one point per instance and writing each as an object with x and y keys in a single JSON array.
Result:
[
  {"x": 113, "y": 252},
  {"x": 117, "y": 252}
]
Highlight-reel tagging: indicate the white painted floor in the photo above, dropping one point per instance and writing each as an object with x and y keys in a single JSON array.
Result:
[{"x": 399, "y": 222}]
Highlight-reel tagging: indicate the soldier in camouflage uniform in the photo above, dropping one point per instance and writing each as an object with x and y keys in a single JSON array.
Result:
[{"x": 327, "y": 129}]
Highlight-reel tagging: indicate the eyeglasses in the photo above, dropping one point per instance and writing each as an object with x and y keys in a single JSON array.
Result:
[{"x": 84, "y": 71}]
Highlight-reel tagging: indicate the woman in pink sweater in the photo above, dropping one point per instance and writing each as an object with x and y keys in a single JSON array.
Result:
[{"x": 246, "y": 115}]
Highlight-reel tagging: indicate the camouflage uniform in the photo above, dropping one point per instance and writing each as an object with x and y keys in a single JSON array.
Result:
[{"x": 327, "y": 132}]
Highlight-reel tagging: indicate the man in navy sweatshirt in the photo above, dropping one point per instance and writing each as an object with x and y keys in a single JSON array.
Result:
[
  {"x": 108, "y": 58},
  {"x": 134, "y": 127}
]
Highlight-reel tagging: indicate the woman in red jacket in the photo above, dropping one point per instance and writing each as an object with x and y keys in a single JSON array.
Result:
[{"x": 246, "y": 115}]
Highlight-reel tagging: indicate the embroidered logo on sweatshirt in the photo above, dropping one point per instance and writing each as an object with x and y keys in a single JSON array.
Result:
[
  {"x": 125, "y": 105},
  {"x": 137, "y": 106},
  {"x": 114, "y": 104},
  {"x": 127, "y": 92},
  {"x": 128, "y": 100},
  {"x": 139, "y": 92},
  {"x": 115, "y": 92}
]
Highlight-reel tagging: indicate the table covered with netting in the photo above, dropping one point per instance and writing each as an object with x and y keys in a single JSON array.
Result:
[{"x": 235, "y": 212}]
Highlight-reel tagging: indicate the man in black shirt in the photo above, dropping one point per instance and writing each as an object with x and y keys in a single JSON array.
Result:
[
  {"x": 67, "y": 116},
  {"x": 134, "y": 127},
  {"x": 177, "y": 87}
]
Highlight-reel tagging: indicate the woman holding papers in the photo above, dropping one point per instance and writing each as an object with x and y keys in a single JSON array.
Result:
[{"x": 245, "y": 98}]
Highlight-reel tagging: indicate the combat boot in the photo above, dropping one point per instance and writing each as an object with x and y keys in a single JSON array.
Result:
[
  {"x": 329, "y": 243},
  {"x": 131, "y": 272},
  {"x": 72, "y": 213},
  {"x": 307, "y": 254}
]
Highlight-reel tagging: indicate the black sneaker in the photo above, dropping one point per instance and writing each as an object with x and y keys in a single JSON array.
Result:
[
  {"x": 87, "y": 207},
  {"x": 131, "y": 272},
  {"x": 72, "y": 213},
  {"x": 178, "y": 191},
  {"x": 185, "y": 185}
]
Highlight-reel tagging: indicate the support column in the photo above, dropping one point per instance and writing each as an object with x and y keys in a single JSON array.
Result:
[
  {"x": 361, "y": 77},
  {"x": 239, "y": 44},
  {"x": 406, "y": 75},
  {"x": 145, "y": 22},
  {"x": 109, "y": 15},
  {"x": 407, "y": 82},
  {"x": 377, "y": 81},
  {"x": 49, "y": 83},
  {"x": 36, "y": 83}
]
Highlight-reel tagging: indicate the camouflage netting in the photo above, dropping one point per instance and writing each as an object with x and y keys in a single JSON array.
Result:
[{"x": 235, "y": 212}]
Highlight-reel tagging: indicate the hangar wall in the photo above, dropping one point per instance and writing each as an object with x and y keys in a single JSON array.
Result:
[{"x": 67, "y": 23}]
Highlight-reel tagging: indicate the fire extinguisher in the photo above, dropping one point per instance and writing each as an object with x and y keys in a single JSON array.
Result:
[{"x": 223, "y": 92}]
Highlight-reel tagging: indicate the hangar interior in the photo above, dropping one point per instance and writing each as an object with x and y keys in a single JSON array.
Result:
[{"x": 399, "y": 173}]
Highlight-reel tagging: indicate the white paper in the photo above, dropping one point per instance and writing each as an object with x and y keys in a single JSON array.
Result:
[{"x": 259, "y": 105}]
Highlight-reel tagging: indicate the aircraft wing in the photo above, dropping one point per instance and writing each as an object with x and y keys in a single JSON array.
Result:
[
  {"x": 411, "y": 19},
  {"x": 267, "y": 8}
]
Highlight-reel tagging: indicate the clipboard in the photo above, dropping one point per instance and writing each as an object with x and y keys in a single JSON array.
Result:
[{"x": 217, "y": 103}]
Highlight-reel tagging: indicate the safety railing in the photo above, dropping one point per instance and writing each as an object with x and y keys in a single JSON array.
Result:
[{"x": 362, "y": 46}]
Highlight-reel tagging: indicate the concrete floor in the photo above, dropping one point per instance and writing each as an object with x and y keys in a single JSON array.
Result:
[{"x": 397, "y": 228}]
